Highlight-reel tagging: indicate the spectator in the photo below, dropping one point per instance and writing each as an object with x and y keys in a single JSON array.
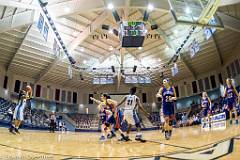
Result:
[{"x": 52, "y": 122}]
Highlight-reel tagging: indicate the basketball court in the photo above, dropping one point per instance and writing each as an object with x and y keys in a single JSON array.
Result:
[
  {"x": 59, "y": 55},
  {"x": 186, "y": 143}
]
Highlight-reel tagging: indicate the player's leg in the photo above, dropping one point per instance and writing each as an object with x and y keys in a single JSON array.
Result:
[
  {"x": 20, "y": 118},
  {"x": 111, "y": 121},
  {"x": 102, "y": 137},
  {"x": 167, "y": 113},
  {"x": 209, "y": 118},
  {"x": 137, "y": 123},
  {"x": 166, "y": 127},
  {"x": 128, "y": 119},
  {"x": 15, "y": 117},
  {"x": 205, "y": 117},
  {"x": 166, "y": 118},
  {"x": 235, "y": 113},
  {"x": 171, "y": 120},
  {"x": 118, "y": 124},
  {"x": 230, "y": 109}
]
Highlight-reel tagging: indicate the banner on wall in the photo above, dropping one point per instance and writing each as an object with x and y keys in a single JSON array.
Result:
[
  {"x": 56, "y": 48},
  {"x": 45, "y": 31},
  {"x": 194, "y": 48},
  {"x": 70, "y": 75},
  {"x": 40, "y": 23},
  {"x": 174, "y": 69}
]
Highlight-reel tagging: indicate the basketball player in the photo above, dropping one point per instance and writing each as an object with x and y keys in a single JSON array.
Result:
[
  {"x": 114, "y": 118},
  {"x": 168, "y": 95},
  {"x": 24, "y": 95},
  {"x": 53, "y": 122},
  {"x": 130, "y": 114},
  {"x": 206, "y": 108},
  {"x": 231, "y": 94},
  {"x": 105, "y": 126}
]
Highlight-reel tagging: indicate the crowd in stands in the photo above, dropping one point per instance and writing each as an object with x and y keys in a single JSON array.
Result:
[
  {"x": 194, "y": 115},
  {"x": 40, "y": 118},
  {"x": 86, "y": 121},
  {"x": 32, "y": 117}
]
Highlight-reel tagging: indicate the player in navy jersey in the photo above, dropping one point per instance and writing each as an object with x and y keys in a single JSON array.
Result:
[
  {"x": 104, "y": 114},
  {"x": 114, "y": 119},
  {"x": 206, "y": 108},
  {"x": 168, "y": 95},
  {"x": 231, "y": 94}
]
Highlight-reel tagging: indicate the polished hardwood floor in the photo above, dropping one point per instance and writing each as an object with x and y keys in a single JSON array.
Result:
[{"x": 221, "y": 142}]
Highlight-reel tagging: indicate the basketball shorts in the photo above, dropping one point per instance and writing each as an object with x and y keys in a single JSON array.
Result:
[
  {"x": 119, "y": 119},
  {"x": 18, "y": 112},
  {"x": 111, "y": 119},
  {"x": 131, "y": 117},
  {"x": 168, "y": 109},
  {"x": 205, "y": 112},
  {"x": 231, "y": 103}
]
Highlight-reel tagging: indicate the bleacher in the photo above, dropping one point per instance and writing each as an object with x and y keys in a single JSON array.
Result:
[
  {"x": 33, "y": 118},
  {"x": 85, "y": 121}
]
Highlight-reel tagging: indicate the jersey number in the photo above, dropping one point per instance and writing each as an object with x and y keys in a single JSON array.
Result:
[
  {"x": 230, "y": 95},
  {"x": 168, "y": 99},
  {"x": 129, "y": 102}
]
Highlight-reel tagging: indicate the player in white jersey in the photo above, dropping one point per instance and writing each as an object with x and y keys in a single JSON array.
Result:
[{"x": 132, "y": 102}]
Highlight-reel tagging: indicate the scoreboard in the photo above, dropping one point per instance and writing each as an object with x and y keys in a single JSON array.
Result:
[{"x": 132, "y": 34}]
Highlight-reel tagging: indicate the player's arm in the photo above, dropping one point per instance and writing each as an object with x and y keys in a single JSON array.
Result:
[
  {"x": 175, "y": 95},
  {"x": 122, "y": 101},
  {"x": 225, "y": 92},
  {"x": 29, "y": 95},
  {"x": 95, "y": 100},
  {"x": 159, "y": 94},
  {"x": 100, "y": 105},
  {"x": 141, "y": 107},
  {"x": 235, "y": 91},
  {"x": 210, "y": 103},
  {"x": 112, "y": 102}
]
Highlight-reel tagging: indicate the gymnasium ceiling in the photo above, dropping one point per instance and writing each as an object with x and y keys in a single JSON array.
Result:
[{"x": 25, "y": 52}]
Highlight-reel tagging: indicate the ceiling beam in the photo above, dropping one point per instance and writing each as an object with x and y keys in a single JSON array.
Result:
[
  {"x": 18, "y": 20},
  {"x": 115, "y": 51},
  {"x": 219, "y": 53},
  {"x": 88, "y": 30},
  {"x": 126, "y": 9},
  {"x": 3, "y": 12},
  {"x": 19, "y": 47},
  {"x": 15, "y": 4},
  {"x": 76, "y": 42},
  {"x": 97, "y": 5},
  {"x": 55, "y": 10},
  {"x": 170, "y": 45},
  {"x": 229, "y": 2},
  {"x": 229, "y": 22}
]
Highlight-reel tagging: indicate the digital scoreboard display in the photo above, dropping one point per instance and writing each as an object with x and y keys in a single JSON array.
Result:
[{"x": 132, "y": 34}]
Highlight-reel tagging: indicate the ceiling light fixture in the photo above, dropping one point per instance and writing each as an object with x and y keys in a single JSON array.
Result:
[
  {"x": 150, "y": 7},
  {"x": 111, "y": 48},
  {"x": 188, "y": 10},
  {"x": 67, "y": 10},
  {"x": 110, "y": 6}
]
